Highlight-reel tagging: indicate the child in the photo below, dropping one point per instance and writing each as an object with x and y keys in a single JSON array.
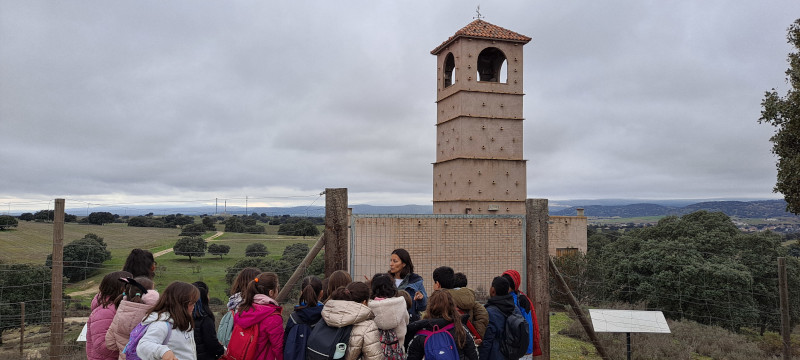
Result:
[
  {"x": 138, "y": 297},
  {"x": 170, "y": 325},
  {"x": 338, "y": 278},
  {"x": 301, "y": 321},
  {"x": 459, "y": 280},
  {"x": 259, "y": 308},
  {"x": 244, "y": 277},
  {"x": 391, "y": 312},
  {"x": 499, "y": 306},
  {"x": 348, "y": 306},
  {"x": 444, "y": 278},
  {"x": 103, "y": 311},
  {"x": 525, "y": 306},
  {"x": 205, "y": 334},
  {"x": 441, "y": 312}
]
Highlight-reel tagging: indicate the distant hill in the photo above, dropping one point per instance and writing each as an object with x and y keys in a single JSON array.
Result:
[{"x": 742, "y": 209}]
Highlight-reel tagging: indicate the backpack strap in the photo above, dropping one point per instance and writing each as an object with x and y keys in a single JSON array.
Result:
[
  {"x": 291, "y": 317},
  {"x": 435, "y": 330},
  {"x": 169, "y": 333}
]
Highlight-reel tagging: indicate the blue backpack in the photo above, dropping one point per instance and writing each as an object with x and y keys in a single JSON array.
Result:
[
  {"x": 439, "y": 343},
  {"x": 136, "y": 334},
  {"x": 294, "y": 344},
  {"x": 225, "y": 328}
]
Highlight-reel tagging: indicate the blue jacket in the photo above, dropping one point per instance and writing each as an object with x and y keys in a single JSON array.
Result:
[
  {"x": 298, "y": 328},
  {"x": 499, "y": 308},
  {"x": 411, "y": 284}
]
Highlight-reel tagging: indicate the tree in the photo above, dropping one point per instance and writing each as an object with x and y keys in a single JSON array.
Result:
[
  {"x": 44, "y": 215},
  {"x": 193, "y": 230},
  {"x": 26, "y": 216},
  {"x": 256, "y": 250},
  {"x": 234, "y": 224},
  {"x": 101, "y": 217},
  {"x": 219, "y": 249},
  {"x": 279, "y": 267},
  {"x": 83, "y": 257},
  {"x": 209, "y": 222},
  {"x": 7, "y": 221},
  {"x": 190, "y": 246},
  {"x": 784, "y": 114},
  {"x": 28, "y": 283},
  {"x": 300, "y": 228}
]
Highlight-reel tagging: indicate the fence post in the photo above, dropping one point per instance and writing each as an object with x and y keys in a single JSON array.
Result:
[
  {"x": 57, "y": 273},
  {"x": 786, "y": 331},
  {"x": 335, "y": 230},
  {"x": 21, "y": 327},
  {"x": 536, "y": 263}
]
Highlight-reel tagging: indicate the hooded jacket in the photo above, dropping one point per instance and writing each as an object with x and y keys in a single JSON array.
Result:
[
  {"x": 364, "y": 337},
  {"x": 390, "y": 314},
  {"x": 265, "y": 313},
  {"x": 499, "y": 308},
  {"x": 416, "y": 347},
  {"x": 411, "y": 284},
  {"x": 96, "y": 328},
  {"x": 205, "y": 338},
  {"x": 151, "y": 345},
  {"x": 129, "y": 314},
  {"x": 465, "y": 301}
]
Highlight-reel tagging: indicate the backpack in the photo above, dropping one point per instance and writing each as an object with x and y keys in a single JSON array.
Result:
[
  {"x": 243, "y": 343},
  {"x": 225, "y": 328},
  {"x": 439, "y": 343},
  {"x": 390, "y": 344},
  {"x": 294, "y": 343},
  {"x": 533, "y": 326},
  {"x": 326, "y": 342},
  {"x": 136, "y": 334},
  {"x": 514, "y": 343}
]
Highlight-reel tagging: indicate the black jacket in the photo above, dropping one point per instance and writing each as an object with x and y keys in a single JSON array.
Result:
[
  {"x": 415, "y": 343},
  {"x": 205, "y": 339},
  {"x": 499, "y": 308}
]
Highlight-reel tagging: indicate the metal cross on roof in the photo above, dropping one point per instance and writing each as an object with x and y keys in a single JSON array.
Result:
[{"x": 478, "y": 11}]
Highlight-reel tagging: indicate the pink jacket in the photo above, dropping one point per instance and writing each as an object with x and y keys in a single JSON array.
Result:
[
  {"x": 96, "y": 328},
  {"x": 129, "y": 314},
  {"x": 267, "y": 315}
]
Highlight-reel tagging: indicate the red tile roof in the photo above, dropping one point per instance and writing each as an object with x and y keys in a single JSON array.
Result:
[{"x": 483, "y": 30}]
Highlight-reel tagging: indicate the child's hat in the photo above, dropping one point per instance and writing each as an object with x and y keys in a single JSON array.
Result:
[{"x": 514, "y": 276}]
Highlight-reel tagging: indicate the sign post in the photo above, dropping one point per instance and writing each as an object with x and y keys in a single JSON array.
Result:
[{"x": 628, "y": 321}]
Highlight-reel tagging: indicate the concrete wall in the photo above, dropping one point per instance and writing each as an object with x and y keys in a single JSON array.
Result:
[{"x": 567, "y": 232}]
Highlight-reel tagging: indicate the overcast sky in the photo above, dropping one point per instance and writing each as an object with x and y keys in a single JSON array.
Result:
[{"x": 149, "y": 101}]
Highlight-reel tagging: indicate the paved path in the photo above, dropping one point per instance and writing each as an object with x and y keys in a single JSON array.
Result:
[{"x": 94, "y": 289}]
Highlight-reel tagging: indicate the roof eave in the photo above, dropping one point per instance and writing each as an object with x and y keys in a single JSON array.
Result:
[{"x": 447, "y": 43}]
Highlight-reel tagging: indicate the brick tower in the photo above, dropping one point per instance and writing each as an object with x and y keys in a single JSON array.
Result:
[{"x": 479, "y": 167}]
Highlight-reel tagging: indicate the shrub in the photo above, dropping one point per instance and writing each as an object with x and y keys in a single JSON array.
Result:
[
  {"x": 256, "y": 250},
  {"x": 219, "y": 249}
]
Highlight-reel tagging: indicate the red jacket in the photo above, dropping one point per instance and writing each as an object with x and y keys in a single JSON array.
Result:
[{"x": 267, "y": 315}]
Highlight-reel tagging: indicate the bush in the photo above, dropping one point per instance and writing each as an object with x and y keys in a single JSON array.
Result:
[
  {"x": 193, "y": 230},
  {"x": 83, "y": 257},
  {"x": 219, "y": 249},
  {"x": 256, "y": 250}
]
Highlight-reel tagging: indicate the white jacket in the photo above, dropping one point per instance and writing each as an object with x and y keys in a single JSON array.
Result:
[
  {"x": 180, "y": 342},
  {"x": 391, "y": 314}
]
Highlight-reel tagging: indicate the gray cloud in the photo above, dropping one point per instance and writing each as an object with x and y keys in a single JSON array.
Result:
[{"x": 196, "y": 100}]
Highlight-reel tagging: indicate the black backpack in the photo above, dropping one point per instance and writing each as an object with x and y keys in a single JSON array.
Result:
[
  {"x": 321, "y": 344},
  {"x": 514, "y": 343}
]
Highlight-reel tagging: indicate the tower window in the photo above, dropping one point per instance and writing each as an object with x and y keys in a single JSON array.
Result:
[
  {"x": 449, "y": 70},
  {"x": 492, "y": 66}
]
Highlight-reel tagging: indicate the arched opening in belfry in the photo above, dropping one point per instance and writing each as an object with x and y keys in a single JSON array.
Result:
[
  {"x": 492, "y": 65},
  {"x": 449, "y": 70}
]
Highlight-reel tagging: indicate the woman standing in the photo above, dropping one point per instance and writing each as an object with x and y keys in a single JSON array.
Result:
[{"x": 402, "y": 271}]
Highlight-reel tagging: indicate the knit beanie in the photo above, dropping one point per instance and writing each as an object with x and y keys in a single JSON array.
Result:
[{"x": 515, "y": 277}]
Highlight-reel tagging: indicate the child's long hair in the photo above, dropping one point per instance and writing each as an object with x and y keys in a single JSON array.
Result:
[
  {"x": 244, "y": 277},
  {"x": 312, "y": 287},
  {"x": 175, "y": 303},
  {"x": 356, "y": 292},
  {"x": 442, "y": 306},
  {"x": 262, "y": 284},
  {"x": 134, "y": 288},
  {"x": 337, "y": 279},
  {"x": 140, "y": 263},
  {"x": 382, "y": 286},
  {"x": 111, "y": 288}
]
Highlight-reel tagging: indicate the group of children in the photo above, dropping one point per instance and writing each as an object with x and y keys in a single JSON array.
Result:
[{"x": 388, "y": 316}]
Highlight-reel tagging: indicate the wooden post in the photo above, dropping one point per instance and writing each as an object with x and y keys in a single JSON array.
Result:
[
  {"x": 335, "y": 230},
  {"x": 301, "y": 269},
  {"x": 21, "y": 328},
  {"x": 536, "y": 263},
  {"x": 57, "y": 273},
  {"x": 576, "y": 308},
  {"x": 786, "y": 331}
]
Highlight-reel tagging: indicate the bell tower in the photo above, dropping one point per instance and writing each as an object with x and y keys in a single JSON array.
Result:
[{"x": 479, "y": 166}]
